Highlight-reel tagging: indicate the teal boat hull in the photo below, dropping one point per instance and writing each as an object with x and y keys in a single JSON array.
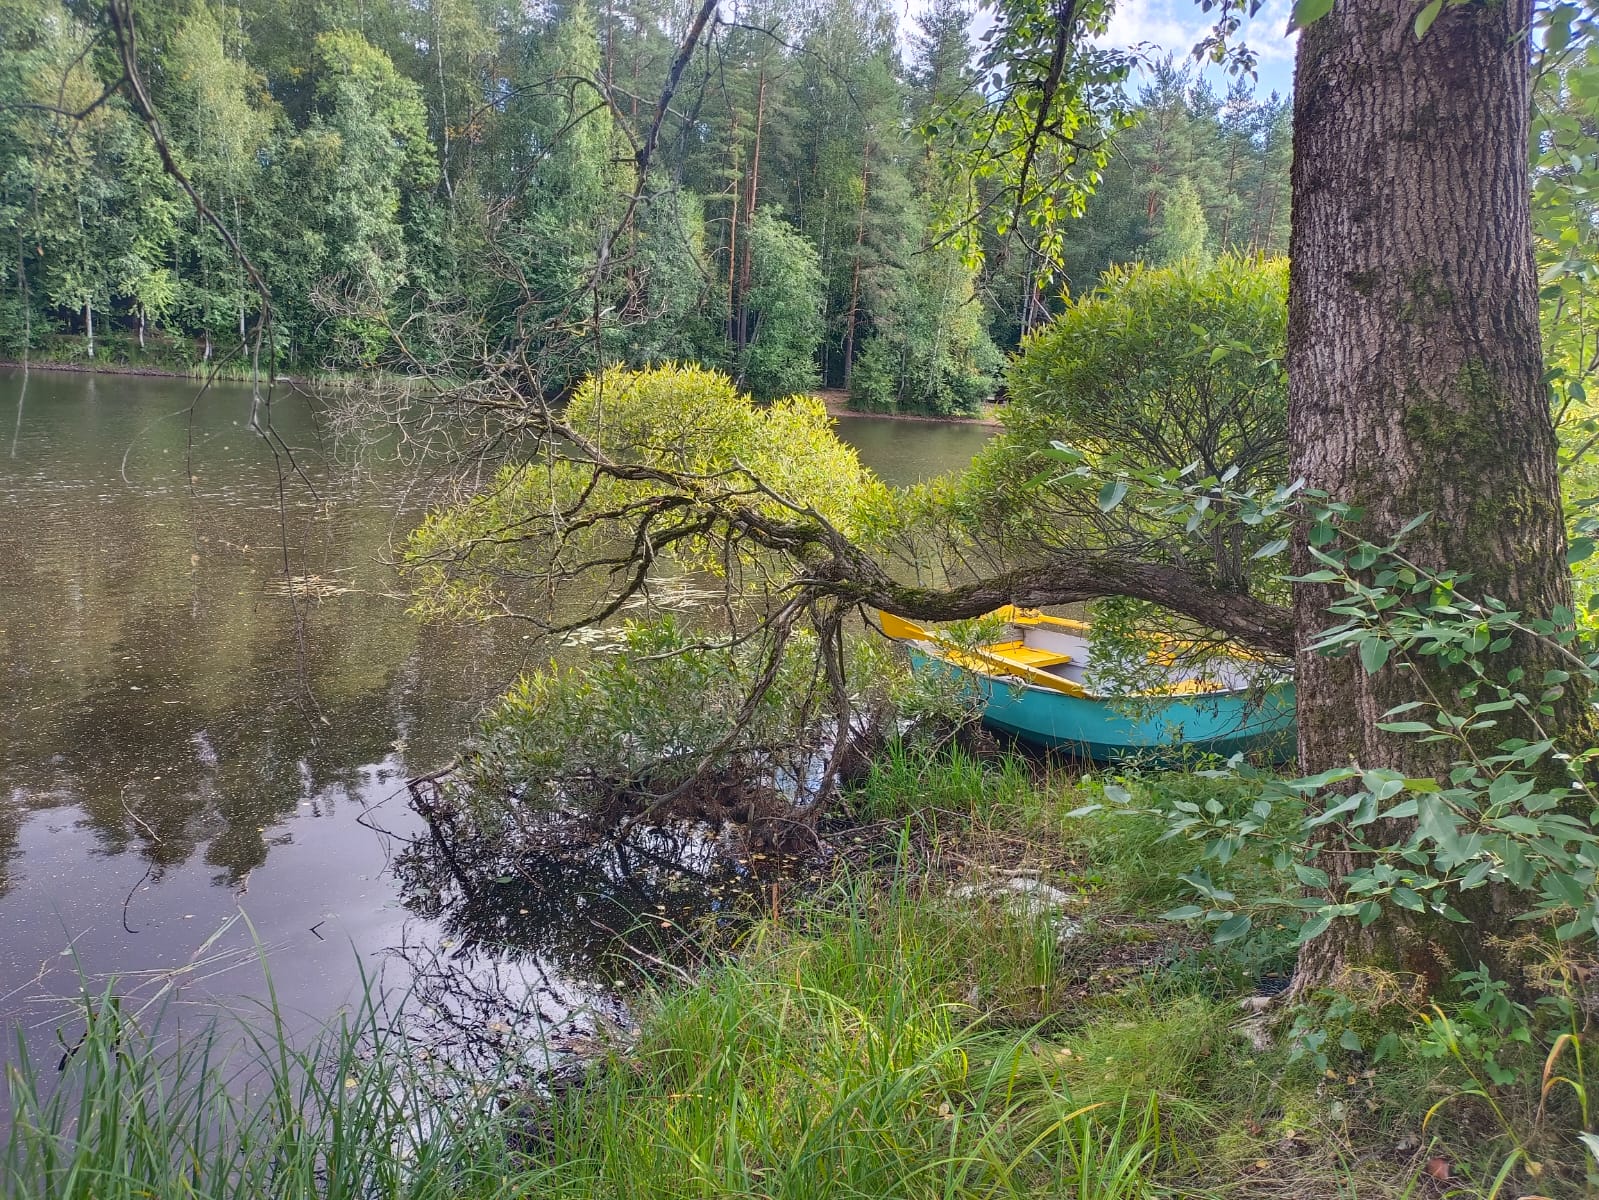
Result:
[{"x": 1250, "y": 721}]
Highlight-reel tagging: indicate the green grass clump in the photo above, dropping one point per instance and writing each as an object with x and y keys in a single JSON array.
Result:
[
  {"x": 844, "y": 1057},
  {"x": 908, "y": 781}
]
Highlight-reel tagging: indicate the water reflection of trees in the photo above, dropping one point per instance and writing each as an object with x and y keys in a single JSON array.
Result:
[
  {"x": 530, "y": 933},
  {"x": 148, "y": 674},
  {"x": 575, "y": 905}
]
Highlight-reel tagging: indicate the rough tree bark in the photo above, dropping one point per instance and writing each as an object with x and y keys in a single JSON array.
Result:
[{"x": 1415, "y": 369}]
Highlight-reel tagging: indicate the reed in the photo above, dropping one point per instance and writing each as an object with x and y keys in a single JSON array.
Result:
[{"x": 143, "y": 1108}]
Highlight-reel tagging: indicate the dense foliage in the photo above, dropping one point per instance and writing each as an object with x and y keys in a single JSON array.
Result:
[
  {"x": 421, "y": 184},
  {"x": 1158, "y": 374},
  {"x": 550, "y": 525},
  {"x": 1165, "y": 367},
  {"x": 1156, "y": 371}
]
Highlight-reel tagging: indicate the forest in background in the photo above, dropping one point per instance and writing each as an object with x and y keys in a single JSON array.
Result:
[{"x": 412, "y": 177}]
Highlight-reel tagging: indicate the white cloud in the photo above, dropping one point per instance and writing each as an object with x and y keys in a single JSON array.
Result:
[
  {"x": 1158, "y": 23},
  {"x": 1176, "y": 26}
]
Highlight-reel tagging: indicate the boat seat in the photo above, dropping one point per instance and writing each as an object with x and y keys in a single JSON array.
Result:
[{"x": 1027, "y": 656}]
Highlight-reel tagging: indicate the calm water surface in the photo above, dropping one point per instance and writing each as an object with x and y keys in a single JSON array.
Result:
[{"x": 173, "y": 753}]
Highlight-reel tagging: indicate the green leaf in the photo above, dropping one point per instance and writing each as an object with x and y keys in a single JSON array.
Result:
[
  {"x": 1111, "y": 494},
  {"x": 1591, "y": 1140},
  {"x": 1311, "y": 876},
  {"x": 1406, "y": 898},
  {"x": 1557, "y": 35},
  {"x": 1427, "y": 16},
  {"x": 1232, "y": 928},
  {"x": 1348, "y": 804},
  {"x": 1373, "y": 654},
  {"x": 1474, "y": 877},
  {"x": 1579, "y": 549},
  {"x": 1350, "y": 1040},
  {"x": 1315, "y": 927},
  {"x": 1186, "y": 912},
  {"x": 1271, "y": 548},
  {"x": 1404, "y": 726},
  {"x": 1522, "y": 825},
  {"x": 1306, "y": 12}
]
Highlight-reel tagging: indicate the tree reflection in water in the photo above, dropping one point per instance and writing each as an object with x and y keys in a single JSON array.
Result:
[{"x": 537, "y": 937}]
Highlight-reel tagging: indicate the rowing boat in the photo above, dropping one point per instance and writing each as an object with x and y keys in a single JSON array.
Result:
[{"x": 1033, "y": 684}]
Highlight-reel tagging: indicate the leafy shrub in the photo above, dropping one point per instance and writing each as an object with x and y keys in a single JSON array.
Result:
[
  {"x": 674, "y": 725},
  {"x": 664, "y": 721},
  {"x": 1163, "y": 367},
  {"x": 1507, "y": 811},
  {"x": 892, "y": 375},
  {"x": 469, "y": 559},
  {"x": 872, "y": 379},
  {"x": 928, "y": 350},
  {"x": 1132, "y": 415}
]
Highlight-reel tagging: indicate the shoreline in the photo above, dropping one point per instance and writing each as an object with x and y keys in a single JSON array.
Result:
[
  {"x": 837, "y": 405},
  {"x": 223, "y": 375},
  {"x": 833, "y": 400},
  {"x": 1003, "y": 996}
]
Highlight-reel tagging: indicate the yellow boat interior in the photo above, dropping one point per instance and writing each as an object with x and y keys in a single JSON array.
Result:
[{"x": 1047, "y": 651}]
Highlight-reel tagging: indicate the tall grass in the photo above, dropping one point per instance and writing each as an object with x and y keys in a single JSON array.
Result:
[
  {"x": 871, "y": 1044},
  {"x": 140, "y": 1111},
  {"x": 847, "y": 1056},
  {"x": 909, "y": 781}
]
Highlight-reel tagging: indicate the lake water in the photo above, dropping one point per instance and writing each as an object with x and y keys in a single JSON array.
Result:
[{"x": 181, "y": 744}]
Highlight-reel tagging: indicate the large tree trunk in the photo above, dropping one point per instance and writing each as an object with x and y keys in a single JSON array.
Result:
[{"x": 1415, "y": 371}]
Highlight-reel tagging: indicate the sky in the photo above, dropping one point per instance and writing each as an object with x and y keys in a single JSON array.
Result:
[{"x": 1177, "y": 25}]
